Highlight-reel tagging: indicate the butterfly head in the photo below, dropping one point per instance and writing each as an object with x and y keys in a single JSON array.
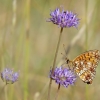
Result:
[{"x": 67, "y": 60}]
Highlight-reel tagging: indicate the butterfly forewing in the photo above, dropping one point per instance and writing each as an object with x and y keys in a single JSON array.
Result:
[{"x": 85, "y": 65}]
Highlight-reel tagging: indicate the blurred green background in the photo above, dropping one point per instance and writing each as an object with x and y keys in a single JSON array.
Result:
[{"x": 28, "y": 43}]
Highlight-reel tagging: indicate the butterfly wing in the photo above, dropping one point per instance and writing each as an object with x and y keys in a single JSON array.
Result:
[{"x": 85, "y": 65}]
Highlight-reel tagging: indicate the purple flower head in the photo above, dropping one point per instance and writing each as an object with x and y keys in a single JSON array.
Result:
[
  {"x": 64, "y": 18},
  {"x": 8, "y": 76},
  {"x": 63, "y": 76}
]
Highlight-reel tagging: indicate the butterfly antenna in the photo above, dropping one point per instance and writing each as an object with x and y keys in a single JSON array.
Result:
[
  {"x": 63, "y": 63},
  {"x": 64, "y": 48},
  {"x": 64, "y": 55},
  {"x": 67, "y": 60}
]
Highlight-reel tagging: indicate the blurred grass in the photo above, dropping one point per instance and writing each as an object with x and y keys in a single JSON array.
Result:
[{"x": 30, "y": 44}]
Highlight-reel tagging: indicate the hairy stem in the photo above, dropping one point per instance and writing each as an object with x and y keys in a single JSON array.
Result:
[
  {"x": 48, "y": 98},
  {"x": 57, "y": 92}
]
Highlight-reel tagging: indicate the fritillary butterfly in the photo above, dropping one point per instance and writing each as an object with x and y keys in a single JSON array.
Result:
[{"x": 85, "y": 65}]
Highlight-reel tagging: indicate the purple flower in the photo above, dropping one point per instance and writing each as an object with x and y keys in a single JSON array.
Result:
[
  {"x": 8, "y": 76},
  {"x": 63, "y": 76},
  {"x": 64, "y": 18}
]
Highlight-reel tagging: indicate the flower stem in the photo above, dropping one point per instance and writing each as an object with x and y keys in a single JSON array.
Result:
[
  {"x": 57, "y": 49},
  {"x": 48, "y": 98},
  {"x": 57, "y": 92},
  {"x": 5, "y": 90}
]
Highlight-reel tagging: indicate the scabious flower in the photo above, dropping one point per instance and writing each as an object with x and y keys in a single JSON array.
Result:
[
  {"x": 8, "y": 76},
  {"x": 64, "y": 18},
  {"x": 63, "y": 76}
]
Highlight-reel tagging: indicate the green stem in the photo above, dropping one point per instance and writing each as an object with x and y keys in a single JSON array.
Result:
[
  {"x": 27, "y": 48},
  {"x": 5, "y": 89},
  {"x": 86, "y": 31},
  {"x": 86, "y": 41},
  {"x": 48, "y": 98}
]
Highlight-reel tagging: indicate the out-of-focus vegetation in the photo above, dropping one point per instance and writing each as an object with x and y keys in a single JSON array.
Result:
[{"x": 28, "y": 43}]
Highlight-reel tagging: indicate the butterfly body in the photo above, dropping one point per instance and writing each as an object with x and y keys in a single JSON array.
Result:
[{"x": 85, "y": 65}]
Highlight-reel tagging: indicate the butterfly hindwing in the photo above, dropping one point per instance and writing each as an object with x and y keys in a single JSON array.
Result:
[{"x": 85, "y": 65}]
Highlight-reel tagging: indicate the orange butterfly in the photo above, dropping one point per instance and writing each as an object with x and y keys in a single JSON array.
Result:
[{"x": 85, "y": 65}]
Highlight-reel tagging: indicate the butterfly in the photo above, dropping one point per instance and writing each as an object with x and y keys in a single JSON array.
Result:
[{"x": 85, "y": 65}]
